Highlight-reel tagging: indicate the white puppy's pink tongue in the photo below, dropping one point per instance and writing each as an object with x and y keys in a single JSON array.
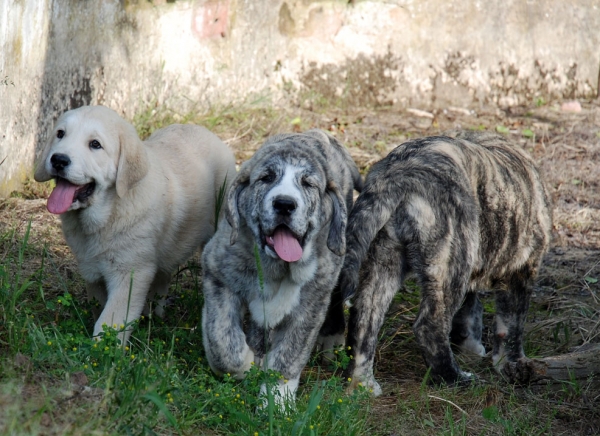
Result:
[
  {"x": 61, "y": 197},
  {"x": 286, "y": 245}
]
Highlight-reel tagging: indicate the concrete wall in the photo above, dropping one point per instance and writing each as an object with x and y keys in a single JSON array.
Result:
[{"x": 60, "y": 54}]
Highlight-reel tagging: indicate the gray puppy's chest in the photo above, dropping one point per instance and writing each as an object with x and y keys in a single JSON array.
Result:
[{"x": 279, "y": 296}]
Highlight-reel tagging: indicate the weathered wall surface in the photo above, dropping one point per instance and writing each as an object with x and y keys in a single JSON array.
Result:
[{"x": 60, "y": 54}]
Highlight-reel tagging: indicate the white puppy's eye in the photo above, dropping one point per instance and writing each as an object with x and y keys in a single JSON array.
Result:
[
  {"x": 60, "y": 133},
  {"x": 95, "y": 145}
]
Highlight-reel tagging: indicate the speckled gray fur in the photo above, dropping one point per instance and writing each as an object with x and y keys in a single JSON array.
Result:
[
  {"x": 316, "y": 172},
  {"x": 464, "y": 213}
]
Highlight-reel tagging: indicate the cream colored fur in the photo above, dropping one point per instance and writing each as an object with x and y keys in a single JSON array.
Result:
[{"x": 153, "y": 204}]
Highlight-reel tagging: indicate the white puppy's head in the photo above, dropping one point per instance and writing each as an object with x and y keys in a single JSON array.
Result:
[
  {"x": 91, "y": 151},
  {"x": 285, "y": 194}
]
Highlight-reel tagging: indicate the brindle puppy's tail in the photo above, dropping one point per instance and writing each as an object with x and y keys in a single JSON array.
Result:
[
  {"x": 356, "y": 178},
  {"x": 372, "y": 210}
]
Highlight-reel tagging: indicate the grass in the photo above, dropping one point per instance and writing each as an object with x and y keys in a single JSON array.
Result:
[{"x": 55, "y": 380}]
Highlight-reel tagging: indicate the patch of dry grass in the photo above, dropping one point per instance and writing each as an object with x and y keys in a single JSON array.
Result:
[{"x": 565, "y": 310}]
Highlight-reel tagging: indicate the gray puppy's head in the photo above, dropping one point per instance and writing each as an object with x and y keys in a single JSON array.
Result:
[{"x": 285, "y": 194}]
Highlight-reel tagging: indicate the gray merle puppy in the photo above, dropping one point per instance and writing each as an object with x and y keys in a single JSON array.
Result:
[
  {"x": 461, "y": 213},
  {"x": 269, "y": 271}
]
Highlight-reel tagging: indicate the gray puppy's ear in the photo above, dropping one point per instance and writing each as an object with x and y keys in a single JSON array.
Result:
[
  {"x": 232, "y": 213},
  {"x": 336, "y": 241},
  {"x": 133, "y": 163}
]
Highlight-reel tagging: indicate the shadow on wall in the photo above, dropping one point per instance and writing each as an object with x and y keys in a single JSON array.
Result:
[{"x": 80, "y": 40}]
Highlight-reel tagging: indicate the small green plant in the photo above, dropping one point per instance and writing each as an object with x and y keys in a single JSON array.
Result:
[
  {"x": 528, "y": 133},
  {"x": 219, "y": 200},
  {"x": 6, "y": 81}
]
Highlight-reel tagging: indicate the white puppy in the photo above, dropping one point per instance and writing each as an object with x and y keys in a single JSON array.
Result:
[{"x": 131, "y": 211}]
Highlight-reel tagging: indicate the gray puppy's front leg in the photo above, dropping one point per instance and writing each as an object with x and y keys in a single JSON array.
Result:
[{"x": 222, "y": 330}]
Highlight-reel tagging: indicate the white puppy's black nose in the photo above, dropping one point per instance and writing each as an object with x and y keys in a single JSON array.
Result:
[
  {"x": 284, "y": 205},
  {"x": 59, "y": 161}
]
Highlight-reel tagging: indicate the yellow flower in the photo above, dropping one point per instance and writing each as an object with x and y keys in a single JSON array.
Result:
[
  {"x": 49, "y": 342},
  {"x": 105, "y": 348},
  {"x": 349, "y": 379},
  {"x": 114, "y": 326},
  {"x": 349, "y": 348},
  {"x": 133, "y": 356},
  {"x": 126, "y": 348},
  {"x": 312, "y": 427},
  {"x": 85, "y": 367},
  {"x": 221, "y": 416},
  {"x": 339, "y": 400},
  {"x": 59, "y": 301},
  {"x": 74, "y": 348},
  {"x": 95, "y": 345},
  {"x": 318, "y": 407}
]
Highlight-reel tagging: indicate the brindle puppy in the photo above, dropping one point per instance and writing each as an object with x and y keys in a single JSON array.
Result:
[{"x": 462, "y": 213}]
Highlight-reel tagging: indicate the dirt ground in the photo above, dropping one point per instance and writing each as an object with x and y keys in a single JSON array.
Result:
[{"x": 564, "y": 142}]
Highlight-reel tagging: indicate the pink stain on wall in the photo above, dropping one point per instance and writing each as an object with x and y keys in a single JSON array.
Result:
[{"x": 211, "y": 19}]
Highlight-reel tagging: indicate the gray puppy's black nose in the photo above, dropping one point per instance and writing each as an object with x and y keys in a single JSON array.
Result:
[
  {"x": 59, "y": 161},
  {"x": 284, "y": 206}
]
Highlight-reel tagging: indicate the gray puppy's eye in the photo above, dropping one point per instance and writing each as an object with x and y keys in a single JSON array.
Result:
[
  {"x": 308, "y": 183},
  {"x": 95, "y": 145},
  {"x": 268, "y": 178},
  {"x": 60, "y": 133}
]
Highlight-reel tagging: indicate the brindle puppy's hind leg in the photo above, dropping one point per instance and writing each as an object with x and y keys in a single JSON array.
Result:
[
  {"x": 380, "y": 279},
  {"x": 467, "y": 326},
  {"x": 511, "y": 311},
  {"x": 441, "y": 297}
]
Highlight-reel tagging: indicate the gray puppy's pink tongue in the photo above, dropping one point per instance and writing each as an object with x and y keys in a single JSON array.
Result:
[
  {"x": 61, "y": 197},
  {"x": 286, "y": 245}
]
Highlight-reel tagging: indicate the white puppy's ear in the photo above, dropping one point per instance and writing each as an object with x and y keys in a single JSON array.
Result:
[
  {"x": 336, "y": 240},
  {"x": 40, "y": 173},
  {"x": 133, "y": 159},
  {"x": 233, "y": 214}
]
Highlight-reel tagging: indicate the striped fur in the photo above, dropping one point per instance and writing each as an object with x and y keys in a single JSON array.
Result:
[{"x": 462, "y": 213}]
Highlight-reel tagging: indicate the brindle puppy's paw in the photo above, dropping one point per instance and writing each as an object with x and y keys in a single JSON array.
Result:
[
  {"x": 369, "y": 383},
  {"x": 522, "y": 371}
]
